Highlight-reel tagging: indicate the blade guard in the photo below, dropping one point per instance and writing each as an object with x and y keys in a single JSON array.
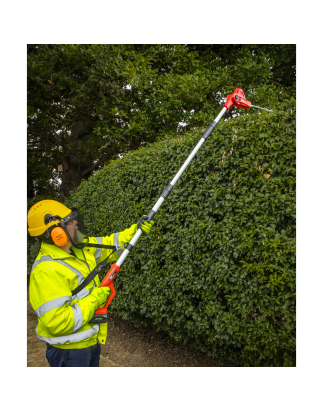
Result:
[
  {"x": 237, "y": 99},
  {"x": 107, "y": 282}
]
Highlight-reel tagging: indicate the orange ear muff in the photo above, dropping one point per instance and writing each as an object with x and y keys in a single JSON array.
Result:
[{"x": 59, "y": 236}]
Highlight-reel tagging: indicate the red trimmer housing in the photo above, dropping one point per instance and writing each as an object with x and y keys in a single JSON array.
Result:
[
  {"x": 237, "y": 99},
  {"x": 101, "y": 315}
]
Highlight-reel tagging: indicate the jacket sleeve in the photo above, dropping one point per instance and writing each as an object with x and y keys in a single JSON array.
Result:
[
  {"x": 51, "y": 298},
  {"x": 116, "y": 239}
]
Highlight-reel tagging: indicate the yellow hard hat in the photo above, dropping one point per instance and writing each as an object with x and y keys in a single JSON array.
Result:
[{"x": 37, "y": 213}]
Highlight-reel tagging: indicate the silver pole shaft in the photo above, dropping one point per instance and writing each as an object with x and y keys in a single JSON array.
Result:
[
  {"x": 191, "y": 156},
  {"x": 160, "y": 201},
  {"x": 133, "y": 241}
]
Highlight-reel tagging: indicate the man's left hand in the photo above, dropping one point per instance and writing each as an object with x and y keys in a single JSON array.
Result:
[{"x": 145, "y": 225}]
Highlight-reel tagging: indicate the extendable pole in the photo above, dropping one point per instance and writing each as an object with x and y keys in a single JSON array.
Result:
[
  {"x": 115, "y": 268},
  {"x": 237, "y": 99},
  {"x": 170, "y": 186}
]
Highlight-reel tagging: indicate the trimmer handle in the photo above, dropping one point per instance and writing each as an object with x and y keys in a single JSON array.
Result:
[
  {"x": 113, "y": 293},
  {"x": 101, "y": 315}
]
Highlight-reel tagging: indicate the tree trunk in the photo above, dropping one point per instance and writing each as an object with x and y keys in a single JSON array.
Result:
[{"x": 73, "y": 168}]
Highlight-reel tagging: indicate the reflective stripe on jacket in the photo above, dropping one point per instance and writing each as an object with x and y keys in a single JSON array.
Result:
[{"x": 63, "y": 319}]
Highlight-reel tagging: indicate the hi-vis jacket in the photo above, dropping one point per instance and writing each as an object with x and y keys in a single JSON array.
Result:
[{"x": 63, "y": 319}]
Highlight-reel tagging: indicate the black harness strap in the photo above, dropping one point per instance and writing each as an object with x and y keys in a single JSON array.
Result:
[
  {"x": 97, "y": 269},
  {"x": 111, "y": 247}
]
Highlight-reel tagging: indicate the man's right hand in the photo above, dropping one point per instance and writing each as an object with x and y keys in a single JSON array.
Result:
[{"x": 101, "y": 294}]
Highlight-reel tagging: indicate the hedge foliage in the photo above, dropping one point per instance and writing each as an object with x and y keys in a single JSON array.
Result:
[{"x": 218, "y": 270}]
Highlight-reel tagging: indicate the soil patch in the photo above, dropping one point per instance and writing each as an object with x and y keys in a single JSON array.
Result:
[
  {"x": 126, "y": 346},
  {"x": 130, "y": 346}
]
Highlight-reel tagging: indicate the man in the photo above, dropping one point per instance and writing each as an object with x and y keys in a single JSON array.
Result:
[{"x": 66, "y": 258}]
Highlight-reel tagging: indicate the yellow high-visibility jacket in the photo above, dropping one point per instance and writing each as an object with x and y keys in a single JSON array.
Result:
[{"x": 63, "y": 319}]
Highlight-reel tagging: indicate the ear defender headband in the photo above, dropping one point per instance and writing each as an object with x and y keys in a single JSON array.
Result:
[{"x": 57, "y": 234}]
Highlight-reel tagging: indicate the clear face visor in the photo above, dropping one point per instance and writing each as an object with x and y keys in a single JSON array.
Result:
[{"x": 74, "y": 227}]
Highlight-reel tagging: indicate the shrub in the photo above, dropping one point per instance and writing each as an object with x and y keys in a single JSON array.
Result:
[{"x": 218, "y": 270}]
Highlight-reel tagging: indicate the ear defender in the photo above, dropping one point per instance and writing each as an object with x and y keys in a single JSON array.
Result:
[{"x": 59, "y": 236}]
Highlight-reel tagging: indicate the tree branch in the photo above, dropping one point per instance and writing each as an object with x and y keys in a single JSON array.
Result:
[
  {"x": 95, "y": 165},
  {"x": 52, "y": 89},
  {"x": 39, "y": 150},
  {"x": 278, "y": 84},
  {"x": 289, "y": 63},
  {"x": 50, "y": 62}
]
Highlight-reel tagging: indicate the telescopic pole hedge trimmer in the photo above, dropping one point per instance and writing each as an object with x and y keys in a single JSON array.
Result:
[{"x": 237, "y": 99}]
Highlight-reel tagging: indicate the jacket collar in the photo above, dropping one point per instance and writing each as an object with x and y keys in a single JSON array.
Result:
[{"x": 54, "y": 251}]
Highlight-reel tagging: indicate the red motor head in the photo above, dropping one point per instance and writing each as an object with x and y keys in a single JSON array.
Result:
[{"x": 237, "y": 99}]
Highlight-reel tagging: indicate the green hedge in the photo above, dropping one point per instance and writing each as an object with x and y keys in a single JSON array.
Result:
[{"x": 218, "y": 270}]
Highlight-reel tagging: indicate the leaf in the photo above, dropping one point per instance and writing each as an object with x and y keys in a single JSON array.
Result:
[{"x": 277, "y": 146}]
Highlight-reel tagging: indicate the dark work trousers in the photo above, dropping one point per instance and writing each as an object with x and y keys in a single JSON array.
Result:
[{"x": 83, "y": 357}]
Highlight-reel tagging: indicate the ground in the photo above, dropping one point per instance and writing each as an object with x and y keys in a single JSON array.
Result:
[{"x": 126, "y": 346}]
